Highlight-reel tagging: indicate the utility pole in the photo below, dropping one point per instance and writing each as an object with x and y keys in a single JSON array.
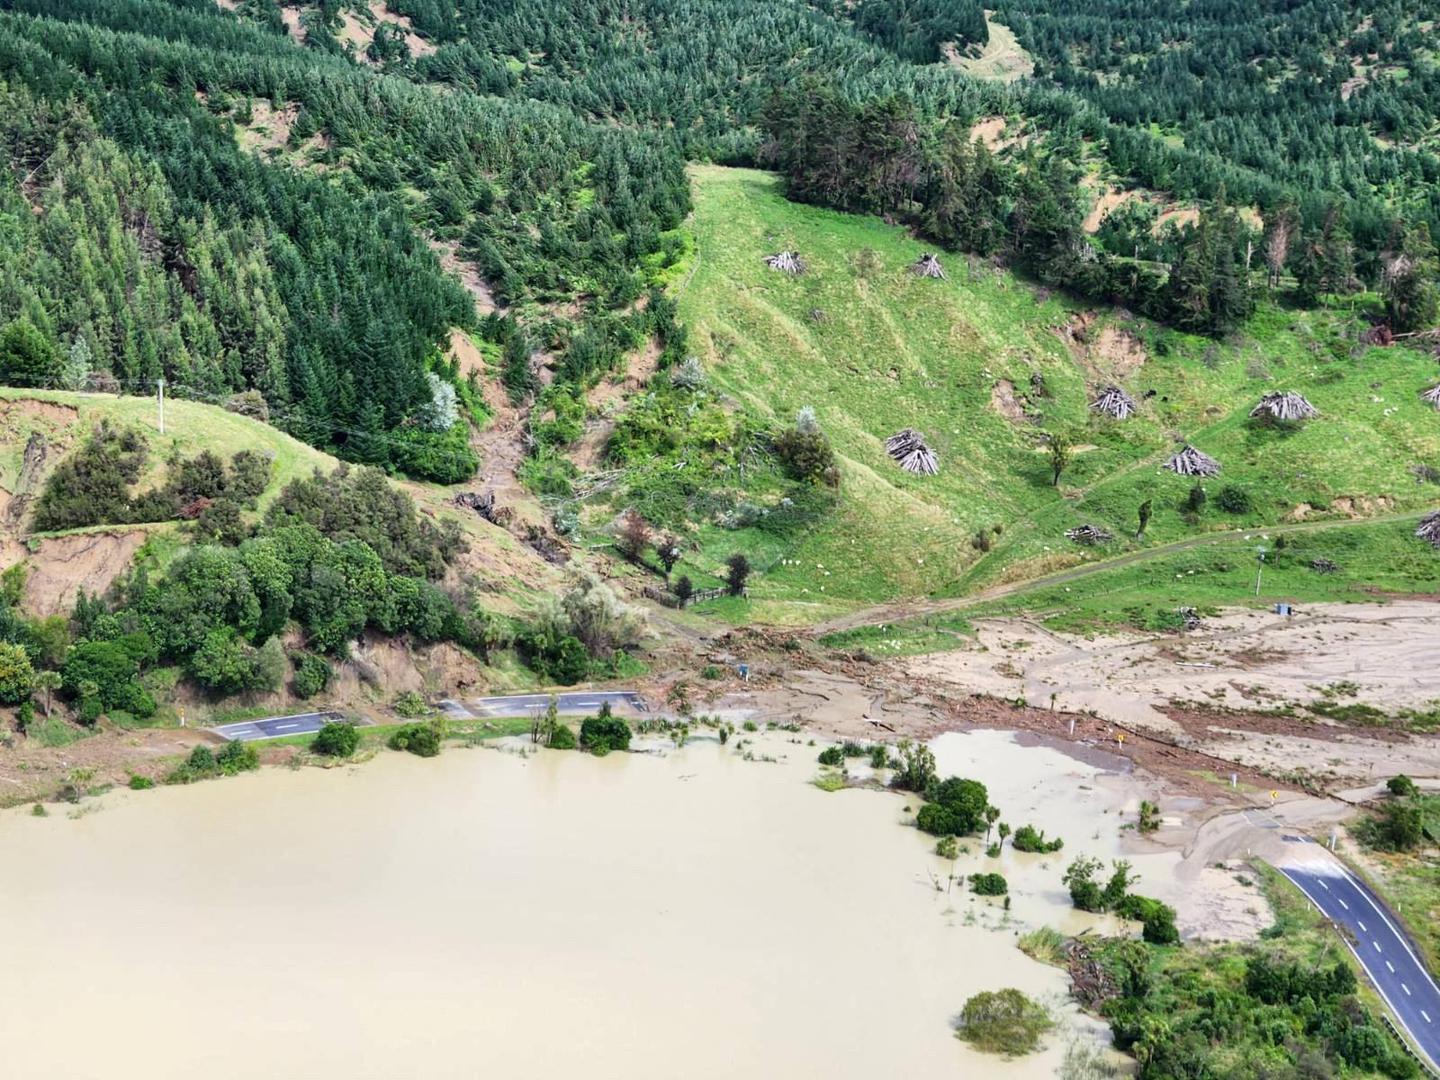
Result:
[{"x": 161, "y": 388}]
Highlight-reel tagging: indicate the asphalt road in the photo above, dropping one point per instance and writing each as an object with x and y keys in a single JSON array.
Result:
[
  {"x": 581, "y": 703},
  {"x": 275, "y": 727},
  {"x": 1387, "y": 957}
]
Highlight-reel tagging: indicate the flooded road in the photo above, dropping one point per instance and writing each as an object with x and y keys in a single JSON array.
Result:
[{"x": 545, "y": 915}]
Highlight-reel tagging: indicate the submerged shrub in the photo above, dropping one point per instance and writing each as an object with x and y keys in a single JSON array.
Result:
[
  {"x": 422, "y": 740},
  {"x": 1003, "y": 1022},
  {"x": 603, "y": 733},
  {"x": 988, "y": 884}
]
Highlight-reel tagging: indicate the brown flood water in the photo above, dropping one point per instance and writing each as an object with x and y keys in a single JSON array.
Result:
[{"x": 551, "y": 915}]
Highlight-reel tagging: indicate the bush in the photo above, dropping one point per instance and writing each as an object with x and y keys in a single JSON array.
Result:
[
  {"x": 1003, "y": 1022},
  {"x": 1028, "y": 838},
  {"x": 237, "y": 757},
  {"x": 603, "y": 733},
  {"x": 17, "y": 676},
  {"x": 947, "y": 847},
  {"x": 422, "y": 740},
  {"x": 988, "y": 885},
  {"x": 410, "y": 704},
  {"x": 934, "y": 819},
  {"x": 1157, "y": 919},
  {"x": 312, "y": 674},
  {"x": 832, "y": 755},
  {"x": 562, "y": 738},
  {"x": 1401, "y": 786},
  {"x": 336, "y": 739},
  {"x": 141, "y": 783},
  {"x": 1233, "y": 500}
]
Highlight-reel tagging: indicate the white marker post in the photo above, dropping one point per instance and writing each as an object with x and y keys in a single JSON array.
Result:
[{"x": 160, "y": 388}]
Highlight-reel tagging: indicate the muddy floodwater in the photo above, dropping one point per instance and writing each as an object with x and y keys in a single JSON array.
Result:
[{"x": 490, "y": 913}]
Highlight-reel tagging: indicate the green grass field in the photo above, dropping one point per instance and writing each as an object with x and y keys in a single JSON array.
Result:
[{"x": 873, "y": 348}]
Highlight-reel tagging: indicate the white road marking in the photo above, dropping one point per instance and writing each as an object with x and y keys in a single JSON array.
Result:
[
  {"x": 1391, "y": 966},
  {"x": 285, "y": 727},
  {"x": 1426, "y": 1016},
  {"x": 1362, "y": 926},
  {"x": 1324, "y": 886},
  {"x": 1377, "y": 946},
  {"x": 1405, "y": 988},
  {"x": 1342, "y": 903}
]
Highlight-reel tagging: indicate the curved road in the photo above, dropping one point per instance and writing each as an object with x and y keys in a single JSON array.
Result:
[{"x": 1376, "y": 941}]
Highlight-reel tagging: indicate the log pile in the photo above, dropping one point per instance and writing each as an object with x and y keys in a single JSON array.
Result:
[
  {"x": 1429, "y": 529},
  {"x": 787, "y": 262},
  {"x": 928, "y": 265},
  {"x": 1432, "y": 396},
  {"x": 1323, "y": 565},
  {"x": 1089, "y": 535},
  {"x": 1114, "y": 402},
  {"x": 910, "y": 452},
  {"x": 1192, "y": 462},
  {"x": 1090, "y": 981},
  {"x": 1285, "y": 405}
]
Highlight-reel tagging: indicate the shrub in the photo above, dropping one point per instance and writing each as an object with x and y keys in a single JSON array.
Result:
[
  {"x": 237, "y": 757},
  {"x": 1149, "y": 817},
  {"x": 947, "y": 847},
  {"x": 880, "y": 757},
  {"x": 915, "y": 770},
  {"x": 1003, "y": 1022},
  {"x": 832, "y": 755},
  {"x": 1233, "y": 500},
  {"x": 806, "y": 455},
  {"x": 737, "y": 573},
  {"x": 1157, "y": 919},
  {"x": 141, "y": 783},
  {"x": 603, "y": 733},
  {"x": 423, "y": 740},
  {"x": 1046, "y": 945},
  {"x": 1401, "y": 786},
  {"x": 336, "y": 739},
  {"x": 1195, "y": 500},
  {"x": 312, "y": 674},
  {"x": 1028, "y": 838},
  {"x": 410, "y": 704},
  {"x": 17, "y": 676},
  {"x": 988, "y": 885},
  {"x": 562, "y": 738}
]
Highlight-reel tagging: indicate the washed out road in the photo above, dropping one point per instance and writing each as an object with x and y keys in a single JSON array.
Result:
[{"x": 1377, "y": 942}]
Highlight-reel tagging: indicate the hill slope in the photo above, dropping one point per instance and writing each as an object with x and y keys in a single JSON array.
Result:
[{"x": 873, "y": 348}]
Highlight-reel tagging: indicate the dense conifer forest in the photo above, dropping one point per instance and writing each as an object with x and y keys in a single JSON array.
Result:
[{"x": 245, "y": 198}]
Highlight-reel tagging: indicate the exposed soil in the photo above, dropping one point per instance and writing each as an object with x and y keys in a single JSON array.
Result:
[
  {"x": 269, "y": 129},
  {"x": 290, "y": 16},
  {"x": 468, "y": 274},
  {"x": 63, "y": 565},
  {"x": 1110, "y": 199},
  {"x": 1118, "y": 352},
  {"x": 1004, "y": 402},
  {"x": 991, "y": 132}
]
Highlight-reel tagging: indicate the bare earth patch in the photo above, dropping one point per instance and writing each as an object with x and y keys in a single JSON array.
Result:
[{"x": 1004, "y": 401}]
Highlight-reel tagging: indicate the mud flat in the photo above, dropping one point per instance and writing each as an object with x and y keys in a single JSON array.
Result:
[{"x": 686, "y": 912}]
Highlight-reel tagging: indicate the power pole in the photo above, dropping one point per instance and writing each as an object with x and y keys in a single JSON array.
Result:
[{"x": 161, "y": 387}]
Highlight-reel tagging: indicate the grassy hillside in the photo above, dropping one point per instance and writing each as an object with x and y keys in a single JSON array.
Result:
[
  {"x": 513, "y": 575},
  {"x": 873, "y": 348}
]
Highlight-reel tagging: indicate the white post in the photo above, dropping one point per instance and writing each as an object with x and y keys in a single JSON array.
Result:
[
  {"x": 1234, "y": 779},
  {"x": 161, "y": 387},
  {"x": 1072, "y": 727}
]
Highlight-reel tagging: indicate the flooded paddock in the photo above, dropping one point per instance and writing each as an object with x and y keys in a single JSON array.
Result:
[{"x": 679, "y": 913}]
